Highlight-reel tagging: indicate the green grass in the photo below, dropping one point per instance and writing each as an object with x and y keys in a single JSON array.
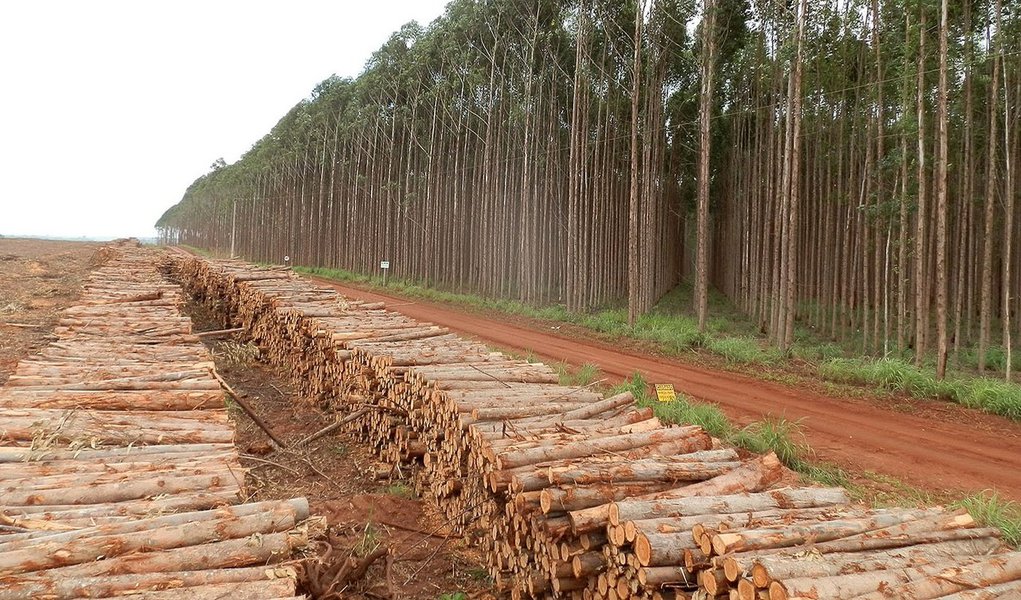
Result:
[
  {"x": 685, "y": 411},
  {"x": 815, "y": 353},
  {"x": 743, "y": 350},
  {"x": 991, "y": 395},
  {"x": 774, "y": 435},
  {"x": 771, "y": 435},
  {"x": 681, "y": 411},
  {"x": 400, "y": 490},
  {"x": 825, "y": 474},
  {"x": 368, "y": 542},
  {"x": 990, "y": 510},
  {"x": 886, "y": 491},
  {"x": 480, "y": 574},
  {"x": 996, "y": 359},
  {"x": 587, "y": 374}
]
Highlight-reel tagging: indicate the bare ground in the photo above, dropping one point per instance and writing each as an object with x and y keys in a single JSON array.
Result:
[
  {"x": 366, "y": 506},
  {"x": 38, "y": 279}
]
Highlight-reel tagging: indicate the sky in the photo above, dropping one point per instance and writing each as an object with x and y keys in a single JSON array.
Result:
[{"x": 110, "y": 109}]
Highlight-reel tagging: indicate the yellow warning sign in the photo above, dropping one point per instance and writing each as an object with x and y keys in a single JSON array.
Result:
[{"x": 665, "y": 392}]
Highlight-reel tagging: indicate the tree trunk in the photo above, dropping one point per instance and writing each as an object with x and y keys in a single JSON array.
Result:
[{"x": 707, "y": 64}]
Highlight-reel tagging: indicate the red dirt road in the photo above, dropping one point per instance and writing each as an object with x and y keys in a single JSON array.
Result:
[{"x": 936, "y": 446}]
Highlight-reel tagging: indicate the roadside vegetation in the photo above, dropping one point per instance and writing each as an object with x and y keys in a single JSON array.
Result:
[
  {"x": 784, "y": 438},
  {"x": 992, "y": 510},
  {"x": 777, "y": 435},
  {"x": 732, "y": 337},
  {"x": 991, "y": 395}
]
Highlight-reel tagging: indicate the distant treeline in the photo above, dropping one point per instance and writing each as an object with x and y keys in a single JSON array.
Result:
[{"x": 851, "y": 164}]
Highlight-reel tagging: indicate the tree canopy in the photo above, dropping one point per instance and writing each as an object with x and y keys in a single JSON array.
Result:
[{"x": 860, "y": 173}]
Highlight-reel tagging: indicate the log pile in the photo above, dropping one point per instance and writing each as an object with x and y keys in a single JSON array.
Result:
[
  {"x": 572, "y": 495},
  {"x": 118, "y": 473}
]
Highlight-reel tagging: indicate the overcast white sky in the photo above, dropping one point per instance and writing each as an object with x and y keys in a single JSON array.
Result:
[{"x": 110, "y": 109}]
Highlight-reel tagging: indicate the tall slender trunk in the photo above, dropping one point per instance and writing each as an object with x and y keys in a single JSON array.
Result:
[
  {"x": 634, "y": 277},
  {"x": 1008, "y": 224},
  {"x": 708, "y": 58},
  {"x": 795, "y": 188},
  {"x": 941, "y": 205},
  {"x": 985, "y": 303},
  {"x": 921, "y": 293}
]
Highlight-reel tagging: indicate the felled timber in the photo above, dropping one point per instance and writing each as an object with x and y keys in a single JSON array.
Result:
[
  {"x": 118, "y": 473},
  {"x": 571, "y": 495}
]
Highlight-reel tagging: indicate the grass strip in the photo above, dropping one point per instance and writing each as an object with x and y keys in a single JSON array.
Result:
[{"x": 892, "y": 374}]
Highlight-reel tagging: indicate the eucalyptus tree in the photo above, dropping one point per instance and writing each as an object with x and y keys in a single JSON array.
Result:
[{"x": 847, "y": 167}]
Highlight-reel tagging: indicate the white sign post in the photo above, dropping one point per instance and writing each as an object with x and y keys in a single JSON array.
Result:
[{"x": 385, "y": 265}]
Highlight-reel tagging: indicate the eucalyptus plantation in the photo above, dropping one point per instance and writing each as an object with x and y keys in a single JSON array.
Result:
[{"x": 845, "y": 167}]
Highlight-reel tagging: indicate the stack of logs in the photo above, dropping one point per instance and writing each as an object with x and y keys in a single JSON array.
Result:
[
  {"x": 118, "y": 473},
  {"x": 573, "y": 495}
]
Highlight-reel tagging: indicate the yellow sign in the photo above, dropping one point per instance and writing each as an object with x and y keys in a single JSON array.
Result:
[{"x": 665, "y": 392}]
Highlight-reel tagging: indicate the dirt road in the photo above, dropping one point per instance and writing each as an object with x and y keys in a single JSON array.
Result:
[{"x": 933, "y": 445}]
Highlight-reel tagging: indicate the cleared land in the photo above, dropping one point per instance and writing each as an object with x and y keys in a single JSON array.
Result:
[
  {"x": 38, "y": 279},
  {"x": 119, "y": 473},
  {"x": 366, "y": 506},
  {"x": 928, "y": 444}
]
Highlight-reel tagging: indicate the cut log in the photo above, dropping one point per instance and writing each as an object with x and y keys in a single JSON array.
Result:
[
  {"x": 937, "y": 581},
  {"x": 598, "y": 408},
  {"x": 749, "y": 520},
  {"x": 121, "y": 491},
  {"x": 63, "y": 549},
  {"x": 658, "y": 576},
  {"x": 918, "y": 583},
  {"x": 1001, "y": 591},
  {"x": 662, "y": 549},
  {"x": 797, "y": 534},
  {"x": 578, "y": 497},
  {"x": 253, "y": 590},
  {"x": 883, "y": 539},
  {"x": 754, "y": 475},
  {"x": 793, "y": 498},
  {"x": 766, "y": 569},
  {"x": 25, "y": 454},
  {"x": 639, "y": 470},
  {"x": 255, "y": 550},
  {"x": 137, "y": 508},
  {"x": 117, "y": 400},
  {"x": 695, "y": 436}
]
